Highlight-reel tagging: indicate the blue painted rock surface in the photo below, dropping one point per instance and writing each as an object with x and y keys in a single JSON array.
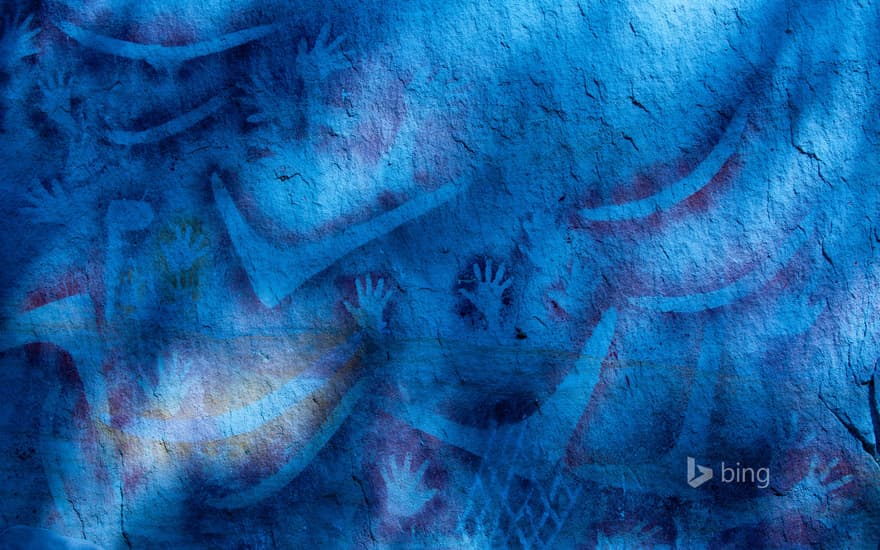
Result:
[{"x": 439, "y": 274}]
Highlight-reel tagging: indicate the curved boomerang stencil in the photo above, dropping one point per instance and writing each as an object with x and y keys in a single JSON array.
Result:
[
  {"x": 742, "y": 287},
  {"x": 683, "y": 188},
  {"x": 698, "y": 414},
  {"x": 242, "y": 420},
  {"x": 158, "y": 55},
  {"x": 69, "y": 324},
  {"x": 170, "y": 128},
  {"x": 64, "y": 464},
  {"x": 275, "y": 272},
  {"x": 321, "y": 276},
  {"x": 51, "y": 450},
  {"x": 565, "y": 406},
  {"x": 301, "y": 459}
]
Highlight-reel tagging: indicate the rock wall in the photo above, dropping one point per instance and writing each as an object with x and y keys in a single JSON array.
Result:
[{"x": 439, "y": 274}]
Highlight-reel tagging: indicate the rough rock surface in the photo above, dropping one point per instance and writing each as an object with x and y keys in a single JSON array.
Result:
[{"x": 439, "y": 274}]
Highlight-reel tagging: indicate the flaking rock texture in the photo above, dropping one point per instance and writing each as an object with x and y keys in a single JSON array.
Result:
[{"x": 439, "y": 274}]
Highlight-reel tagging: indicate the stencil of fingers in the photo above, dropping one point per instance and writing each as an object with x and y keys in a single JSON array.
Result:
[
  {"x": 489, "y": 291},
  {"x": 371, "y": 304},
  {"x": 17, "y": 41},
  {"x": 324, "y": 58},
  {"x": 811, "y": 494},
  {"x": 173, "y": 384},
  {"x": 405, "y": 491},
  {"x": 182, "y": 253},
  {"x": 48, "y": 204},
  {"x": 57, "y": 92},
  {"x": 637, "y": 537},
  {"x": 258, "y": 96},
  {"x": 800, "y": 433}
]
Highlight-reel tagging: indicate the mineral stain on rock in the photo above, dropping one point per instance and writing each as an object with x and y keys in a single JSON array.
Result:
[{"x": 439, "y": 274}]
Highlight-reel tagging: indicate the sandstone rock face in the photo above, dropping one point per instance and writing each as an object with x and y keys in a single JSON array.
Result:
[{"x": 440, "y": 274}]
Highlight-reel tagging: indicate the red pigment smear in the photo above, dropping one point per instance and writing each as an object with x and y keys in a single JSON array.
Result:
[
  {"x": 643, "y": 185},
  {"x": 388, "y": 200},
  {"x": 647, "y": 225},
  {"x": 788, "y": 276},
  {"x": 753, "y": 127},
  {"x": 630, "y": 281},
  {"x": 557, "y": 312},
  {"x": 264, "y": 459},
  {"x": 437, "y": 158},
  {"x": 339, "y": 87},
  {"x": 796, "y": 529},
  {"x": 373, "y": 138},
  {"x": 654, "y": 179},
  {"x": 704, "y": 199},
  {"x": 122, "y": 388},
  {"x": 575, "y": 456},
  {"x": 67, "y": 372},
  {"x": 797, "y": 526},
  {"x": 376, "y": 135},
  {"x": 120, "y": 405},
  {"x": 380, "y": 105},
  {"x": 729, "y": 272},
  {"x": 69, "y": 284},
  {"x": 632, "y": 277},
  {"x": 268, "y": 454},
  {"x": 83, "y": 421},
  {"x": 700, "y": 202},
  {"x": 134, "y": 478}
]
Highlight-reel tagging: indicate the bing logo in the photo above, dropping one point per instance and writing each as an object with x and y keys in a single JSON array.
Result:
[
  {"x": 729, "y": 474},
  {"x": 695, "y": 480}
]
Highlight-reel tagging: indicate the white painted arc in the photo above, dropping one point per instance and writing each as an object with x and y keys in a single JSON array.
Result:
[
  {"x": 742, "y": 287},
  {"x": 169, "y": 128},
  {"x": 157, "y": 54},
  {"x": 301, "y": 458},
  {"x": 244, "y": 419},
  {"x": 683, "y": 188},
  {"x": 70, "y": 325}
]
